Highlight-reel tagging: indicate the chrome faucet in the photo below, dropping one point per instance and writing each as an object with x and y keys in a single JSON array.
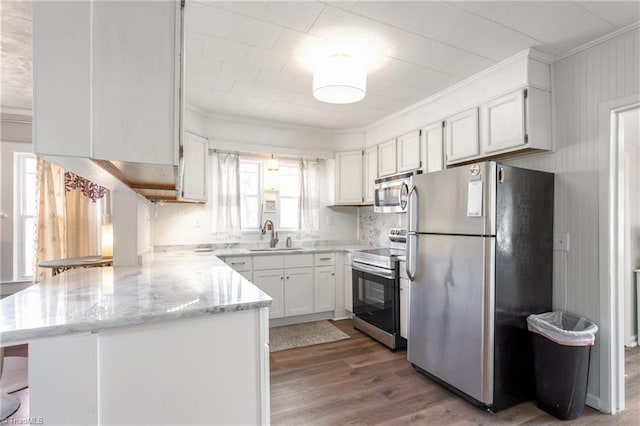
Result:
[{"x": 274, "y": 235}]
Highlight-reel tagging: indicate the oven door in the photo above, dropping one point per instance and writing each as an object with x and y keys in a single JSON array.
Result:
[
  {"x": 391, "y": 197},
  {"x": 375, "y": 297}
]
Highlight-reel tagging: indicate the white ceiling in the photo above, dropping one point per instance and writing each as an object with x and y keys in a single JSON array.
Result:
[
  {"x": 254, "y": 58},
  {"x": 15, "y": 54}
]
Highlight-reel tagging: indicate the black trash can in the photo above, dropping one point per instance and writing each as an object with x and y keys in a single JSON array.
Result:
[{"x": 561, "y": 352}]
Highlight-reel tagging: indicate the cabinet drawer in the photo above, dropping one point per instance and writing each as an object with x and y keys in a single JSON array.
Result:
[
  {"x": 268, "y": 262},
  {"x": 324, "y": 259},
  {"x": 240, "y": 264},
  {"x": 298, "y": 260}
]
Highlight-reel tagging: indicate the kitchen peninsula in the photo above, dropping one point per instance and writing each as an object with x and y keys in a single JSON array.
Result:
[{"x": 181, "y": 339}]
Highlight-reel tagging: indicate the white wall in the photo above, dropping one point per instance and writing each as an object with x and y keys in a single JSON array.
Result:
[
  {"x": 15, "y": 137},
  {"x": 630, "y": 124},
  {"x": 582, "y": 82},
  {"x": 131, "y": 227}
]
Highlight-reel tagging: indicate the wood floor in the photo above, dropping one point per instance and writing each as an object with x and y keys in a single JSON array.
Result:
[{"x": 359, "y": 381}]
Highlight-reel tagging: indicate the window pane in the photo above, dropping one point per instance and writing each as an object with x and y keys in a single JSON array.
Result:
[
  {"x": 30, "y": 194},
  {"x": 28, "y": 248},
  {"x": 249, "y": 207},
  {"x": 289, "y": 181},
  {"x": 289, "y": 212}
]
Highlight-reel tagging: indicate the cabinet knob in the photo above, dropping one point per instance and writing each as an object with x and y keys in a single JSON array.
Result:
[
  {"x": 287, "y": 277},
  {"x": 282, "y": 278},
  {"x": 333, "y": 273}
]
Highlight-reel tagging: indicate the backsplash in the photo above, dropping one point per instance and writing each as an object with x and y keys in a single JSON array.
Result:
[{"x": 374, "y": 227}]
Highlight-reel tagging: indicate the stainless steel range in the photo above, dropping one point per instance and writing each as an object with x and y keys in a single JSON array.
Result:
[{"x": 376, "y": 290}]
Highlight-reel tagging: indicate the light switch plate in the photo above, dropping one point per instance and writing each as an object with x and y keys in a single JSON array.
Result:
[{"x": 561, "y": 241}]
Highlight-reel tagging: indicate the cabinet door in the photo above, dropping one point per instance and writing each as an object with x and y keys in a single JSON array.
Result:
[
  {"x": 298, "y": 291},
  {"x": 349, "y": 177},
  {"x": 348, "y": 288},
  {"x": 272, "y": 283},
  {"x": 370, "y": 172},
  {"x": 432, "y": 144},
  {"x": 193, "y": 168},
  {"x": 409, "y": 151},
  {"x": 324, "y": 289},
  {"x": 405, "y": 297},
  {"x": 502, "y": 123},
  {"x": 387, "y": 158},
  {"x": 136, "y": 81},
  {"x": 462, "y": 136},
  {"x": 61, "y": 63}
]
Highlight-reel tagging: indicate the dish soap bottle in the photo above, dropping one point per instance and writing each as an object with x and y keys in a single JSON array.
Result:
[{"x": 289, "y": 242}]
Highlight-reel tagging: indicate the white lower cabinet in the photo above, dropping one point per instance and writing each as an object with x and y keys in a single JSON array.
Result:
[
  {"x": 405, "y": 298},
  {"x": 324, "y": 288},
  {"x": 272, "y": 283},
  {"x": 298, "y": 291}
]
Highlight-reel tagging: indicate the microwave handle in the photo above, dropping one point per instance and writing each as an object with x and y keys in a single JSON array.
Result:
[
  {"x": 413, "y": 200},
  {"x": 403, "y": 197}
]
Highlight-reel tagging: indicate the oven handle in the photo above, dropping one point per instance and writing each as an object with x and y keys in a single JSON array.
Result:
[
  {"x": 374, "y": 270},
  {"x": 412, "y": 232}
]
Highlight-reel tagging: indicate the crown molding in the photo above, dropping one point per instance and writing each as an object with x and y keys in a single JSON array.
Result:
[{"x": 597, "y": 41}]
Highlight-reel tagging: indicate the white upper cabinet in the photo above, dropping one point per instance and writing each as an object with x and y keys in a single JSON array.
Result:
[
  {"x": 462, "y": 136},
  {"x": 136, "y": 71},
  {"x": 502, "y": 122},
  {"x": 349, "y": 177},
  {"x": 193, "y": 179},
  {"x": 370, "y": 172},
  {"x": 408, "y": 147},
  {"x": 432, "y": 147},
  {"x": 107, "y": 80},
  {"x": 387, "y": 158}
]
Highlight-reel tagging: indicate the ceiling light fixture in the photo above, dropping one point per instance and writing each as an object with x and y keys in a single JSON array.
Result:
[
  {"x": 272, "y": 165},
  {"x": 340, "y": 79}
]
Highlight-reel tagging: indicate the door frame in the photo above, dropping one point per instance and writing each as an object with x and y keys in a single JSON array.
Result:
[{"x": 611, "y": 246}]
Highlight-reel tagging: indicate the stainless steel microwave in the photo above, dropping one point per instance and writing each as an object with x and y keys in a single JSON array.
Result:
[{"x": 391, "y": 193}]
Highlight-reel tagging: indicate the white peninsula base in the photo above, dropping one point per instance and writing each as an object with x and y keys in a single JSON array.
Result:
[{"x": 211, "y": 369}]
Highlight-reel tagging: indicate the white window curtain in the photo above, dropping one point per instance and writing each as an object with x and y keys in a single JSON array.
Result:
[
  {"x": 227, "y": 221},
  {"x": 309, "y": 198}
]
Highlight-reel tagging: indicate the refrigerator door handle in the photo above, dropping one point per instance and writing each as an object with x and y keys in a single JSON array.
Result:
[{"x": 412, "y": 231}]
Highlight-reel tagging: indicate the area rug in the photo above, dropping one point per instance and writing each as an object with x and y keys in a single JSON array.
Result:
[
  {"x": 306, "y": 334},
  {"x": 14, "y": 374}
]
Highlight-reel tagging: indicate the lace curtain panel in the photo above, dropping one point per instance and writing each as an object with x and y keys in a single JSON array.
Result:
[
  {"x": 69, "y": 216},
  {"x": 227, "y": 211},
  {"x": 309, "y": 199}
]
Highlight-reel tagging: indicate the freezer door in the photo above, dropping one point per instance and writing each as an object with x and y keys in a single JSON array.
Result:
[
  {"x": 452, "y": 310},
  {"x": 460, "y": 200}
]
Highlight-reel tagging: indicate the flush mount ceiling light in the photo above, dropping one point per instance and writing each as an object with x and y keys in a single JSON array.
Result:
[{"x": 340, "y": 79}]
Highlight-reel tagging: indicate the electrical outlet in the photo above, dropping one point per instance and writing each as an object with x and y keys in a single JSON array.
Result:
[
  {"x": 561, "y": 242},
  {"x": 197, "y": 223},
  {"x": 329, "y": 220}
]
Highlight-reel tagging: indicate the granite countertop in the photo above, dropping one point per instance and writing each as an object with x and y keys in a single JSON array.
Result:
[
  {"x": 170, "y": 286},
  {"x": 231, "y": 252}
]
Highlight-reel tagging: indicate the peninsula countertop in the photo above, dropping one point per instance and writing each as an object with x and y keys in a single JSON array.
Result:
[{"x": 169, "y": 286}]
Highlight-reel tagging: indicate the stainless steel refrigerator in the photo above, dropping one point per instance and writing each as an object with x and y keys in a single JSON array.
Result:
[{"x": 479, "y": 254}]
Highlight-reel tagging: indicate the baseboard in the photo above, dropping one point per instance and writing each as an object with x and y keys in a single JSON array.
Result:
[
  {"x": 593, "y": 401},
  {"x": 275, "y": 322}
]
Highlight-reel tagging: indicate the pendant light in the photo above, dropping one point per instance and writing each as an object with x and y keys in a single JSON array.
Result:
[{"x": 340, "y": 79}]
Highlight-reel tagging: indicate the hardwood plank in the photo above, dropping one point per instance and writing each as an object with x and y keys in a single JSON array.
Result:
[{"x": 359, "y": 381}]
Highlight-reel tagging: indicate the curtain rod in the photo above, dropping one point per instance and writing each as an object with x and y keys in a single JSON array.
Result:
[{"x": 266, "y": 155}]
